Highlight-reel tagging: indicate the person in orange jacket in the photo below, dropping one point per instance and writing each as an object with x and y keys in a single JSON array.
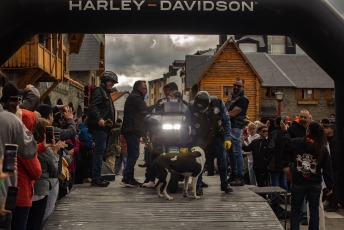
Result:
[{"x": 28, "y": 172}]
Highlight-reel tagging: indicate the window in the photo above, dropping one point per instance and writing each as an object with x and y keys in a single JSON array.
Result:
[
  {"x": 226, "y": 91},
  {"x": 270, "y": 92},
  {"x": 160, "y": 95},
  {"x": 307, "y": 94},
  {"x": 276, "y": 49},
  {"x": 248, "y": 47},
  {"x": 151, "y": 86},
  {"x": 160, "y": 84}
]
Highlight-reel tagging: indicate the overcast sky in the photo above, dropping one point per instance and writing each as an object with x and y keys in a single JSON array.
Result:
[{"x": 147, "y": 57}]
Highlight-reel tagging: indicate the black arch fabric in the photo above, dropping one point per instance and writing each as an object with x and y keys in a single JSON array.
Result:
[{"x": 313, "y": 24}]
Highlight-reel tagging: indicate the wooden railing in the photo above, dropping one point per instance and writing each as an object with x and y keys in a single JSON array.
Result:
[{"x": 35, "y": 55}]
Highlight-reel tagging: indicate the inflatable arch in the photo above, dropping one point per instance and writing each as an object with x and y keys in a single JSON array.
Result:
[{"x": 313, "y": 24}]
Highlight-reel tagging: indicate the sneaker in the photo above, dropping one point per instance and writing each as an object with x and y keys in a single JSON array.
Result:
[
  {"x": 199, "y": 190},
  {"x": 142, "y": 165},
  {"x": 304, "y": 221},
  {"x": 225, "y": 187},
  {"x": 239, "y": 181},
  {"x": 149, "y": 184},
  {"x": 99, "y": 183},
  {"x": 204, "y": 185},
  {"x": 131, "y": 182}
]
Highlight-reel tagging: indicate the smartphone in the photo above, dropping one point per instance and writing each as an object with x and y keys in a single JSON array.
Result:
[
  {"x": 57, "y": 136},
  {"x": 10, "y": 157},
  {"x": 49, "y": 134},
  {"x": 12, "y": 103},
  {"x": 11, "y": 199}
]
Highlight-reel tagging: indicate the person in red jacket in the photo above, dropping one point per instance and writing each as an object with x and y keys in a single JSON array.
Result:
[{"x": 28, "y": 172}]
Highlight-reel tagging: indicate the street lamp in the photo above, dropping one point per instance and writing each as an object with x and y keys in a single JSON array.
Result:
[{"x": 279, "y": 97}]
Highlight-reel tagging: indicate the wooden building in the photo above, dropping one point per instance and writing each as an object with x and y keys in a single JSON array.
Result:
[
  {"x": 59, "y": 65},
  {"x": 228, "y": 64}
]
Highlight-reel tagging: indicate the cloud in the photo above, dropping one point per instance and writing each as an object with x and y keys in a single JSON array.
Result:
[{"x": 148, "y": 56}]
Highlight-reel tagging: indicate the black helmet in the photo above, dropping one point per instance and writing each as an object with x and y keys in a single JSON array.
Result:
[
  {"x": 202, "y": 101},
  {"x": 109, "y": 76}
]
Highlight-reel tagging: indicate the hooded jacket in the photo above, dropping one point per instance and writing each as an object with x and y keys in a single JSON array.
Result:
[
  {"x": 307, "y": 170},
  {"x": 28, "y": 170},
  {"x": 13, "y": 131}
]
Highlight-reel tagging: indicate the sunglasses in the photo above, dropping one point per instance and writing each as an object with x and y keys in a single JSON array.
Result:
[
  {"x": 237, "y": 86},
  {"x": 264, "y": 131}
]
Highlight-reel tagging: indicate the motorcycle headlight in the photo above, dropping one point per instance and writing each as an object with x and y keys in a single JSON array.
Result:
[
  {"x": 176, "y": 126},
  {"x": 167, "y": 126},
  {"x": 170, "y": 126}
]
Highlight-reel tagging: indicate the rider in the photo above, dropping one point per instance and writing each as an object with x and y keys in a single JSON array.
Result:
[
  {"x": 211, "y": 128},
  {"x": 101, "y": 116}
]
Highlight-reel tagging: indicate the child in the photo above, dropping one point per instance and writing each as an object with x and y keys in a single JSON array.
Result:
[{"x": 259, "y": 153}]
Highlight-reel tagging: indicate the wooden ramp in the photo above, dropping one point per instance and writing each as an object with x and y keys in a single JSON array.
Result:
[{"x": 117, "y": 207}]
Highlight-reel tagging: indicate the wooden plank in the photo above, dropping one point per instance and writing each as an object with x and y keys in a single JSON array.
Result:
[
  {"x": 27, "y": 55},
  {"x": 23, "y": 51},
  {"x": 140, "y": 208}
]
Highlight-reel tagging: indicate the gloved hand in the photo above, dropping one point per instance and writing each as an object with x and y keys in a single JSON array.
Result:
[
  {"x": 228, "y": 145},
  {"x": 184, "y": 150}
]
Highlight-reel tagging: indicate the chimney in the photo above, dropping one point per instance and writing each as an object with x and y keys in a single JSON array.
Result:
[{"x": 222, "y": 39}]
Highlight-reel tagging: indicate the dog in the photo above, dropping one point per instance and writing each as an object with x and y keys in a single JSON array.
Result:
[{"x": 188, "y": 165}]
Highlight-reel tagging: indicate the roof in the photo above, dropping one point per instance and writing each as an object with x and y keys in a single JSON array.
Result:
[
  {"x": 116, "y": 95},
  {"x": 88, "y": 57},
  {"x": 289, "y": 70},
  {"x": 195, "y": 66},
  {"x": 258, "y": 38},
  {"x": 222, "y": 48}
]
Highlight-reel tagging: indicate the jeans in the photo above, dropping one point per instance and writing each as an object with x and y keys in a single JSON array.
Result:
[
  {"x": 133, "y": 143},
  {"x": 118, "y": 164},
  {"x": 278, "y": 179},
  {"x": 36, "y": 214},
  {"x": 100, "y": 140},
  {"x": 235, "y": 156},
  {"x": 304, "y": 204},
  {"x": 20, "y": 217},
  {"x": 217, "y": 148},
  {"x": 251, "y": 174},
  {"x": 298, "y": 192}
]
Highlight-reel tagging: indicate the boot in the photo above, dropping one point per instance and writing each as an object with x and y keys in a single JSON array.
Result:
[
  {"x": 231, "y": 178},
  {"x": 226, "y": 187},
  {"x": 199, "y": 190}
]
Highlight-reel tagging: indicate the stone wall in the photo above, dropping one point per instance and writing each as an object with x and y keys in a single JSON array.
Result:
[
  {"x": 83, "y": 77},
  {"x": 291, "y": 108},
  {"x": 64, "y": 93}
]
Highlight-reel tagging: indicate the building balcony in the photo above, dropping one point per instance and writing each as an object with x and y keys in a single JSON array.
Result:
[{"x": 42, "y": 60}]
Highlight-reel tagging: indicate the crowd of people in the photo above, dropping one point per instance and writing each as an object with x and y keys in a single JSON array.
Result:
[{"x": 293, "y": 155}]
